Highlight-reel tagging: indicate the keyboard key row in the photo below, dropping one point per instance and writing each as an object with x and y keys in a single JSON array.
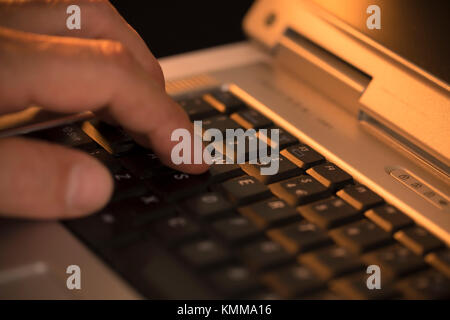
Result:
[
  {"x": 428, "y": 284},
  {"x": 198, "y": 109},
  {"x": 285, "y": 139},
  {"x": 329, "y": 213},
  {"x": 293, "y": 234},
  {"x": 355, "y": 287},
  {"x": 293, "y": 281},
  {"x": 177, "y": 185},
  {"x": 286, "y": 169},
  {"x": 389, "y": 218},
  {"x": 418, "y": 240},
  {"x": 205, "y": 254},
  {"x": 208, "y": 206},
  {"x": 251, "y": 119},
  {"x": 234, "y": 280},
  {"x": 331, "y": 262},
  {"x": 113, "y": 139},
  {"x": 299, "y": 190},
  {"x": 360, "y": 197},
  {"x": 120, "y": 220},
  {"x": 269, "y": 213},
  {"x": 360, "y": 236},
  {"x": 330, "y": 175},
  {"x": 303, "y": 156},
  {"x": 440, "y": 260},
  {"x": 395, "y": 261},
  {"x": 224, "y": 101},
  {"x": 245, "y": 189},
  {"x": 300, "y": 237},
  {"x": 70, "y": 135},
  {"x": 235, "y": 229}
]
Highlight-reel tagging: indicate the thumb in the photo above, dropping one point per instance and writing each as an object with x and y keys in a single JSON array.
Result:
[{"x": 46, "y": 181}]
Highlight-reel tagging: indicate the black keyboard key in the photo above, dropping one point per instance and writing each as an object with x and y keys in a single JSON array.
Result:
[
  {"x": 285, "y": 139},
  {"x": 440, "y": 260},
  {"x": 430, "y": 285},
  {"x": 144, "y": 165},
  {"x": 269, "y": 213},
  {"x": 246, "y": 147},
  {"x": 148, "y": 266},
  {"x": 303, "y": 156},
  {"x": 245, "y": 189},
  {"x": 107, "y": 160},
  {"x": 418, "y": 240},
  {"x": 235, "y": 229},
  {"x": 116, "y": 224},
  {"x": 293, "y": 281},
  {"x": 127, "y": 186},
  {"x": 208, "y": 206},
  {"x": 389, "y": 218},
  {"x": 176, "y": 229},
  {"x": 145, "y": 204},
  {"x": 101, "y": 229},
  {"x": 354, "y": 287},
  {"x": 300, "y": 237},
  {"x": 204, "y": 254},
  {"x": 361, "y": 236},
  {"x": 331, "y": 262},
  {"x": 223, "y": 171},
  {"x": 197, "y": 108},
  {"x": 395, "y": 261},
  {"x": 299, "y": 190},
  {"x": 265, "y": 254},
  {"x": 286, "y": 169},
  {"x": 146, "y": 208},
  {"x": 251, "y": 119},
  {"x": 330, "y": 175},
  {"x": 242, "y": 148},
  {"x": 329, "y": 213},
  {"x": 178, "y": 185},
  {"x": 360, "y": 197},
  {"x": 224, "y": 101},
  {"x": 221, "y": 123},
  {"x": 114, "y": 139},
  {"x": 69, "y": 135},
  {"x": 234, "y": 281}
]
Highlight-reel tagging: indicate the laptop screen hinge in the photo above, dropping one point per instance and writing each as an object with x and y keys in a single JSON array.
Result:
[{"x": 326, "y": 72}]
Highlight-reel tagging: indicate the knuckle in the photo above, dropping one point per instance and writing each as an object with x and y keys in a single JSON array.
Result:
[
  {"x": 119, "y": 54},
  {"x": 118, "y": 58}
]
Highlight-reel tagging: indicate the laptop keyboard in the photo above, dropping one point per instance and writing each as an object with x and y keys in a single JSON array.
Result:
[{"x": 310, "y": 231}]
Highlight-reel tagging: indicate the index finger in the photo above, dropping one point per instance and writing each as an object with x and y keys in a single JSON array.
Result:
[{"x": 74, "y": 75}]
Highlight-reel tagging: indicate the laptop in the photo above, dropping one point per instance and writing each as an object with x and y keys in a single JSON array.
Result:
[{"x": 359, "y": 208}]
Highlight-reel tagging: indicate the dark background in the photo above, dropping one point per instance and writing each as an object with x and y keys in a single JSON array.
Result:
[
  {"x": 170, "y": 27},
  {"x": 416, "y": 29}
]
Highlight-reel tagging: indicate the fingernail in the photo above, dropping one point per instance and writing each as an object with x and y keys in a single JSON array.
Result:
[{"x": 89, "y": 188}]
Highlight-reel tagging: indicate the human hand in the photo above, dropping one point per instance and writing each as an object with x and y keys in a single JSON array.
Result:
[{"x": 104, "y": 67}]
